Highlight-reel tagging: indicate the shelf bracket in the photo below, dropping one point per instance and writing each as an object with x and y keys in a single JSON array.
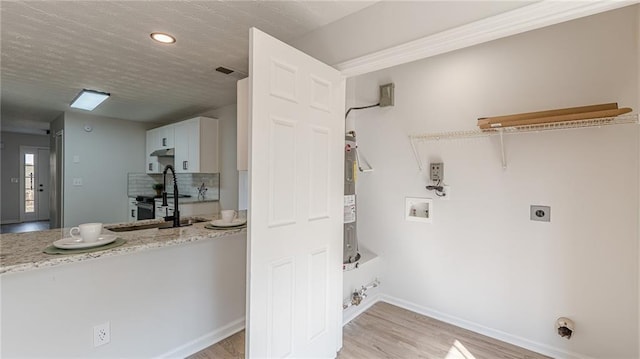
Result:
[
  {"x": 504, "y": 157},
  {"x": 415, "y": 152}
]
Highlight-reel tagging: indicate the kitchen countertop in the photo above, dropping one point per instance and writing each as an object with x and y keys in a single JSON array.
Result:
[{"x": 20, "y": 252}]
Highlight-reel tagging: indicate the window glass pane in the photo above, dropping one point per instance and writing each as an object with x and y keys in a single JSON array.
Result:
[
  {"x": 28, "y": 159},
  {"x": 29, "y": 178},
  {"x": 28, "y": 171},
  {"x": 29, "y": 207}
]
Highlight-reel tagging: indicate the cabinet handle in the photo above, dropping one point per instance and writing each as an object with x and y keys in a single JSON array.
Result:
[
  {"x": 150, "y": 166},
  {"x": 185, "y": 165},
  {"x": 164, "y": 142},
  {"x": 132, "y": 214}
]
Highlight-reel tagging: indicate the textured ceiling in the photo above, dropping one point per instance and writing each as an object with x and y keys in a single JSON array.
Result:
[{"x": 53, "y": 49}]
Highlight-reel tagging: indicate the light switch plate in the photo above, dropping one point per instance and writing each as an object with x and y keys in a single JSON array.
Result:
[
  {"x": 540, "y": 213},
  {"x": 418, "y": 209}
]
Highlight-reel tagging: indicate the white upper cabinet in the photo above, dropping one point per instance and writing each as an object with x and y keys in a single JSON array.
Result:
[
  {"x": 242, "y": 124},
  {"x": 152, "y": 163},
  {"x": 196, "y": 146},
  {"x": 166, "y": 137},
  {"x": 161, "y": 138}
]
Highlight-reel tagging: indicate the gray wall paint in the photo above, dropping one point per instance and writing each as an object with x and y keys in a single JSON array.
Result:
[
  {"x": 106, "y": 154},
  {"x": 10, "y": 193}
]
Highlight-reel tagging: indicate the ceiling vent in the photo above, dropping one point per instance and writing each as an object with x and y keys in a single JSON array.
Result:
[{"x": 239, "y": 75}]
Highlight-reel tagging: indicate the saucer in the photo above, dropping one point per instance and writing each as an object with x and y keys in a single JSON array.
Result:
[
  {"x": 72, "y": 243},
  {"x": 236, "y": 222}
]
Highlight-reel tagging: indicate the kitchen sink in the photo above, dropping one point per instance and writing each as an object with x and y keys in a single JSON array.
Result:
[{"x": 160, "y": 225}]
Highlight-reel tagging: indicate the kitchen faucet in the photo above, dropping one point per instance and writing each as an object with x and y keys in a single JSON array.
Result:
[{"x": 176, "y": 212}]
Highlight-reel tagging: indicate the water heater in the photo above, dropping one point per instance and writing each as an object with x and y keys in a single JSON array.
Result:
[{"x": 350, "y": 255}]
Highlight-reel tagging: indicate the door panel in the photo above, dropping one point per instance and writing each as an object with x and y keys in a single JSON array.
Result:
[
  {"x": 282, "y": 161},
  {"x": 281, "y": 300},
  {"x": 296, "y": 130}
]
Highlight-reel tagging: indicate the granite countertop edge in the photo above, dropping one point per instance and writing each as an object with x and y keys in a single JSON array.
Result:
[{"x": 137, "y": 241}]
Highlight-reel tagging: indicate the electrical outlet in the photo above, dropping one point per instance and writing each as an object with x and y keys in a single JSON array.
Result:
[
  {"x": 540, "y": 213},
  {"x": 101, "y": 334},
  {"x": 436, "y": 171}
]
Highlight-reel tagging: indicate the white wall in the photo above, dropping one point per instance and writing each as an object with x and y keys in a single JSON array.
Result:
[
  {"x": 106, "y": 154},
  {"x": 228, "y": 169},
  {"x": 10, "y": 196},
  {"x": 482, "y": 263},
  {"x": 390, "y": 23},
  {"x": 161, "y": 302}
]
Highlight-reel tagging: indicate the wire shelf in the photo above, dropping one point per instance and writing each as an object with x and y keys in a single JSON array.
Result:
[
  {"x": 566, "y": 125},
  {"x": 553, "y": 126}
]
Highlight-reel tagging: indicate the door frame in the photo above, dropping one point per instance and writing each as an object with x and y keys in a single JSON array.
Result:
[
  {"x": 43, "y": 195},
  {"x": 26, "y": 149}
]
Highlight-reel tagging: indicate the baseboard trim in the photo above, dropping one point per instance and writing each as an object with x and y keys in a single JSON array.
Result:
[
  {"x": 481, "y": 329},
  {"x": 206, "y": 340},
  {"x": 10, "y": 221}
]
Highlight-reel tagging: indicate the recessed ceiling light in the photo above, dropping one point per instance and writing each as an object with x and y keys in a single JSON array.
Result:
[
  {"x": 163, "y": 38},
  {"x": 89, "y": 99}
]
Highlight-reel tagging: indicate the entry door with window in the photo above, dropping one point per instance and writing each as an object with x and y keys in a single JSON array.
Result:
[
  {"x": 296, "y": 125},
  {"x": 34, "y": 184}
]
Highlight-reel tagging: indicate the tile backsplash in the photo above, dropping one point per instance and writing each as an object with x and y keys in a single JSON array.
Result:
[{"x": 141, "y": 184}]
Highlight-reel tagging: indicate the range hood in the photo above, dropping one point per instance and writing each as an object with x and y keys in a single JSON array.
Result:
[{"x": 166, "y": 152}]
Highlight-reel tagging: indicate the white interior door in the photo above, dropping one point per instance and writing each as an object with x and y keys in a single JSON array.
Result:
[{"x": 296, "y": 131}]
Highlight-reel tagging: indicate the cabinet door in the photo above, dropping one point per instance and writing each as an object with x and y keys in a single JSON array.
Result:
[
  {"x": 187, "y": 146},
  {"x": 152, "y": 165},
  {"x": 166, "y": 136},
  {"x": 132, "y": 215}
]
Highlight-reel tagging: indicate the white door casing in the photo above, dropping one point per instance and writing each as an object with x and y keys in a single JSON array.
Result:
[
  {"x": 296, "y": 131},
  {"x": 42, "y": 191},
  {"x": 41, "y": 176}
]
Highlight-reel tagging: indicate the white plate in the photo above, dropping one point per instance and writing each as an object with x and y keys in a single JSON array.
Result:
[
  {"x": 72, "y": 243},
  {"x": 236, "y": 222}
]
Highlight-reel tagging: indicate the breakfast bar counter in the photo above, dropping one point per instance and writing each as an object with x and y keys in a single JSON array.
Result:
[
  {"x": 164, "y": 293},
  {"x": 21, "y": 252}
]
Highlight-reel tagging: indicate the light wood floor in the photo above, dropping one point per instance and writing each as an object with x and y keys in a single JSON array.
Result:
[{"x": 386, "y": 331}]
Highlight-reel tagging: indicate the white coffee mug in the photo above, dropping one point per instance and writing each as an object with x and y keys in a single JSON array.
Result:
[
  {"x": 86, "y": 232},
  {"x": 228, "y": 215}
]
